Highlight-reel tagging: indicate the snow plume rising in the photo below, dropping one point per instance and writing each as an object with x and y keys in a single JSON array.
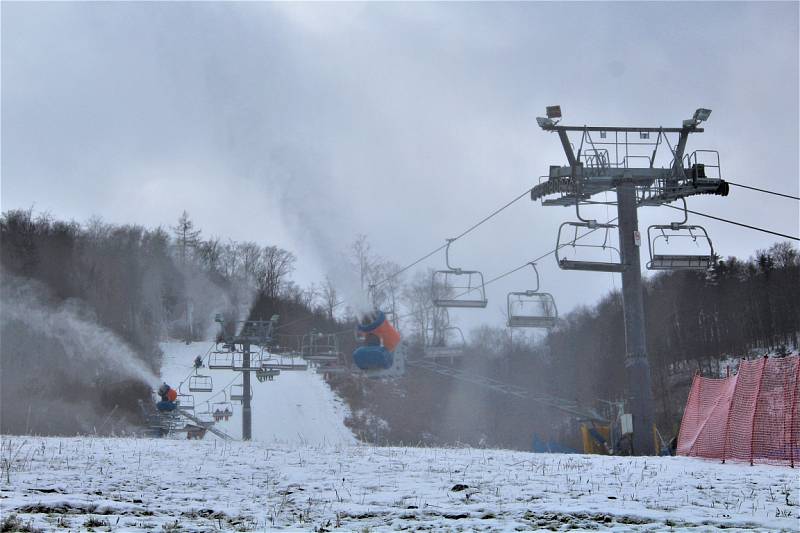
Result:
[{"x": 62, "y": 372}]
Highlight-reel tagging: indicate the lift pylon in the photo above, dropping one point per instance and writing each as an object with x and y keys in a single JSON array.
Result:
[{"x": 644, "y": 167}]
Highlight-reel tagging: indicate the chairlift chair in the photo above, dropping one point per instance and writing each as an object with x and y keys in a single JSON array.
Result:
[
  {"x": 278, "y": 363},
  {"x": 222, "y": 410},
  {"x": 317, "y": 346},
  {"x": 237, "y": 393},
  {"x": 442, "y": 349},
  {"x": 185, "y": 401},
  {"x": 253, "y": 364},
  {"x": 596, "y": 265},
  {"x": 454, "y": 287},
  {"x": 201, "y": 383},
  {"x": 266, "y": 374},
  {"x": 219, "y": 360},
  {"x": 659, "y": 236},
  {"x": 531, "y": 308}
]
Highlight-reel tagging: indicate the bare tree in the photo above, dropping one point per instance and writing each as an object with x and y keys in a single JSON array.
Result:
[
  {"x": 210, "y": 254},
  {"x": 330, "y": 297},
  {"x": 186, "y": 236},
  {"x": 276, "y": 265},
  {"x": 364, "y": 262},
  {"x": 427, "y": 321}
]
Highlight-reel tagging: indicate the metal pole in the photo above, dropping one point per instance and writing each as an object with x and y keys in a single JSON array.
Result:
[
  {"x": 247, "y": 416},
  {"x": 637, "y": 367}
]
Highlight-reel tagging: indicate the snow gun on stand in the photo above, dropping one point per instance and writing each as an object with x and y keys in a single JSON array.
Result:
[
  {"x": 380, "y": 340},
  {"x": 168, "y": 397}
]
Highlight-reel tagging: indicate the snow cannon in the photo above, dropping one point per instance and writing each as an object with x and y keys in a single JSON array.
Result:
[
  {"x": 380, "y": 342},
  {"x": 168, "y": 396}
]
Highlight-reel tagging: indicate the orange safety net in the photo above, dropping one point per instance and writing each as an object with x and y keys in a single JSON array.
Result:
[{"x": 752, "y": 416}]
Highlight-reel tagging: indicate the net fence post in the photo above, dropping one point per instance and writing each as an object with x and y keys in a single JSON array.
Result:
[
  {"x": 755, "y": 408},
  {"x": 728, "y": 418},
  {"x": 794, "y": 425}
]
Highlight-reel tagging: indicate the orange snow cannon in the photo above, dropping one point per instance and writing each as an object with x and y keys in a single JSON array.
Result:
[{"x": 381, "y": 327}]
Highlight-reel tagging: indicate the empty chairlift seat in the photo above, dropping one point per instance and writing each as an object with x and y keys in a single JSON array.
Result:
[
  {"x": 679, "y": 247},
  {"x": 201, "y": 383},
  {"x": 531, "y": 308},
  {"x": 456, "y": 287},
  {"x": 186, "y": 401},
  {"x": 588, "y": 255},
  {"x": 449, "y": 344},
  {"x": 237, "y": 393},
  {"x": 220, "y": 360}
]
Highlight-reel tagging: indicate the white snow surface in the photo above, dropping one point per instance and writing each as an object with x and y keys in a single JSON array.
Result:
[
  {"x": 297, "y": 407},
  {"x": 145, "y": 484}
]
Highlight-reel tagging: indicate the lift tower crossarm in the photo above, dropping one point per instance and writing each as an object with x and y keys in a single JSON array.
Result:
[{"x": 587, "y": 174}]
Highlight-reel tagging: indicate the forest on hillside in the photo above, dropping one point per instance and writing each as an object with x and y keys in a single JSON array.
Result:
[{"x": 85, "y": 305}]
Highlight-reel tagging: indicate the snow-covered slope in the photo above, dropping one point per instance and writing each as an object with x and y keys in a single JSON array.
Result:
[
  {"x": 294, "y": 408},
  {"x": 150, "y": 484}
]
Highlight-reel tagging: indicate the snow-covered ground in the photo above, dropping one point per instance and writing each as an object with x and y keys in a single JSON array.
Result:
[
  {"x": 305, "y": 471},
  {"x": 146, "y": 484},
  {"x": 294, "y": 408}
]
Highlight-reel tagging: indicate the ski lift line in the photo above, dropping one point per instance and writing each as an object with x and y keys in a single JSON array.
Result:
[
  {"x": 504, "y": 274},
  {"x": 462, "y": 234},
  {"x": 756, "y": 228},
  {"x": 765, "y": 191},
  {"x": 735, "y": 223}
]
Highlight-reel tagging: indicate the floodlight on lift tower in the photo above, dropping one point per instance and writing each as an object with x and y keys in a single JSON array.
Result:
[{"x": 645, "y": 168}]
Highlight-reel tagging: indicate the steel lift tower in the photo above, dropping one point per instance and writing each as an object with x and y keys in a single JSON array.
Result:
[
  {"x": 243, "y": 345},
  {"x": 643, "y": 166}
]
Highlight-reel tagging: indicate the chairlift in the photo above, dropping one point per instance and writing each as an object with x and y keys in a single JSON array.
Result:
[
  {"x": 279, "y": 363},
  {"x": 253, "y": 363},
  {"x": 237, "y": 393},
  {"x": 222, "y": 410},
  {"x": 219, "y": 360},
  {"x": 320, "y": 347},
  {"x": 185, "y": 401},
  {"x": 201, "y": 383},
  {"x": 531, "y": 308},
  {"x": 598, "y": 261},
  {"x": 266, "y": 374},
  {"x": 442, "y": 349},
  {"x": 454, "y": 287},
  {"x": 674, "y": 236}
]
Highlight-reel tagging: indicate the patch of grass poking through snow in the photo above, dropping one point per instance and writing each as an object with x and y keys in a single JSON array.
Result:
[
  {"x": 93, "y": 522},
  {"x": 13, "y": 523}
]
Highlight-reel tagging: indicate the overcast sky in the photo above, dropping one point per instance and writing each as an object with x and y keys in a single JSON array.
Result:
[{"x": 303, "y": 125}]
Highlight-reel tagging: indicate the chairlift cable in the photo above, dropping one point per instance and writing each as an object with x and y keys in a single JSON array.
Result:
[
  {"x": 462, "y": 234},
  {"x": 756, "y": 228},
  {"x": 735, "y": 223},
  {"x": 765, "y": 191}
]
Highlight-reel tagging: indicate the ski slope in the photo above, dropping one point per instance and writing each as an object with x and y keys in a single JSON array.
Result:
[
  {"x": 295, "y": 408},
  {"x": 165, "y": 484}
]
